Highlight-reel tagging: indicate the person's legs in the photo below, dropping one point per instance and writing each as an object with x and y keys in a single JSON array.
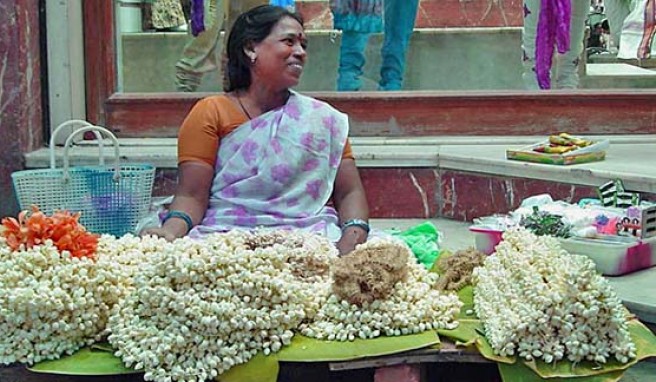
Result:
[
  {"x": 567, "y": 65},
  {"x": 351, "y": 60},
  {"x": 529, "y": 32},
  {"x": 616, "y": 11},
  {"x": 202, "y": 53},
  {"x": 399, "y": 22}
]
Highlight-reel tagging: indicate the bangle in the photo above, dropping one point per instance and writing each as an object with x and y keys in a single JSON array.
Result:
[
  {"x": 356, "y": 223},
  {"x": 180, "y": 215}
]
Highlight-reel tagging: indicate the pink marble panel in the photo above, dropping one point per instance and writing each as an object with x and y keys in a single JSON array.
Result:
[
  {"x": 21, "y": 126},
  {"x": 435, "y": 13},
  {"x": 400, "y": 192},
  {"x": 465, "y": 196}
]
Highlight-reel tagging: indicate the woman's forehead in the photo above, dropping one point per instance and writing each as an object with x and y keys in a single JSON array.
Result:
[{"x": 288, "y": 25}]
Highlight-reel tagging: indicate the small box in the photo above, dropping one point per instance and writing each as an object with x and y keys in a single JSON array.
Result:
[
  {"x": 638, "y": 221},
  {"x": 615, "y": 255},
  {"x": 593, "y": 153}
]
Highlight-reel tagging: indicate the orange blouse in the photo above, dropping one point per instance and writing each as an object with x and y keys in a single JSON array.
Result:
[{"x": 210, "y": 120}]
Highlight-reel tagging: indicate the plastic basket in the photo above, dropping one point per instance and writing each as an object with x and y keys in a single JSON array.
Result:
[{"x": 110, "y": 199}]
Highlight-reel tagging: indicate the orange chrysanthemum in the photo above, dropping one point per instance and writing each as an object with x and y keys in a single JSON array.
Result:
[{"x": 63, "y": 228}]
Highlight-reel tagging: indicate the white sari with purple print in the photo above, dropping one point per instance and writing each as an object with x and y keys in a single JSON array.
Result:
[{"x": 277, "y": 171}]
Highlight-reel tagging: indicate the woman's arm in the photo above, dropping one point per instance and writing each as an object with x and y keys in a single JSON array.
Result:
[
  {"x": 191, "y": 197},
  {"x": 351, "y": 203}
]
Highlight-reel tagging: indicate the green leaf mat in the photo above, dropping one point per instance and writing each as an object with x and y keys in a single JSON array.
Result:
[
  {"x": 305, "y": 349},
  {"x": 87, "y": 361},
  {"x": 470, "y": 332},
  {"x": 260, "y": 368}
]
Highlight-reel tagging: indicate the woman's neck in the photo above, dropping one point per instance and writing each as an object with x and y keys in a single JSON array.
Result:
[{"x": 264, "y": 99}]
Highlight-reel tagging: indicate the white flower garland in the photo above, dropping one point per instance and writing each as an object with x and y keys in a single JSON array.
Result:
[
  {"x": 53, "y": 304},
  {"x": 539, "y": 302},
  {"x": 201, "y": 307}
]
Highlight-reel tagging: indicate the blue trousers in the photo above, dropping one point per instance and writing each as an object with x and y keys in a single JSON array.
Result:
[{"x": 399, "y": 22}]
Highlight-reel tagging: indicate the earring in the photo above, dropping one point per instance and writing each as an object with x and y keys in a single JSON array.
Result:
[{"x": 253, "y": 59}]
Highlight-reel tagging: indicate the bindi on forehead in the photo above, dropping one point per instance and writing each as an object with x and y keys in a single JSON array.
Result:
[{"x": 300, "y": 35}]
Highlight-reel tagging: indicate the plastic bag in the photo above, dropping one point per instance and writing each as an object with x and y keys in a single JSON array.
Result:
[
  {"x": 157, "y": 209},
  {"x": 423, "y": 240}
]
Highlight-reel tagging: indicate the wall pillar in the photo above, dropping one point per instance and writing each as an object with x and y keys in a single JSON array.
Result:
[{"x": 21, "y": 125}]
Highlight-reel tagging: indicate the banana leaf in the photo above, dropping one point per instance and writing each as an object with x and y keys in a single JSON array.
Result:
[
  {"x": 470, "y": 334},
  {"x": 94, "y": 360},
  {"x": 99, "y": 360},
  {"x": 645, "y": 342},
  {"x": 305, "y": 349},
  {"x": 260, "y": 368},
  {"x": 519, "y": 372}
]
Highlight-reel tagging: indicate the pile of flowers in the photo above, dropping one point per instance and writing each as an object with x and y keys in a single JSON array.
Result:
[
  {"x": 62, "y": 229},
  {"x": 540, "y": 302},
  {"x": 412, "y": 306},
  {"x": 58, "y": 286},
  {"x": 203, "y": 306}
]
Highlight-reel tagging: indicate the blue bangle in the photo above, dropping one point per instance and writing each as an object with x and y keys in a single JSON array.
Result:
[
  {"x": 180, "y": 215},
  {"x": 356, "y": 223}
]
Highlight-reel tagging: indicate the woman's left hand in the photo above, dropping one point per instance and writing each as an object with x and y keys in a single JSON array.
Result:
[{"x": 351, "y": 237}]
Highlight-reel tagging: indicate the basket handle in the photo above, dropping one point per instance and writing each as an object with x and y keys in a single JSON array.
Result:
[
  {"x": 97, "y": 130},
  {"x": 70, "y": 123}
]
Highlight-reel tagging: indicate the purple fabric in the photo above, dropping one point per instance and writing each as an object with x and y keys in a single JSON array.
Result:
[
  {"x": 553, "y": 30},
  {"x": 197, "y": 17}
]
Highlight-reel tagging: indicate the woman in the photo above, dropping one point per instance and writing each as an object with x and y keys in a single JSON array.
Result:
[{"x": 261, "y": 155}]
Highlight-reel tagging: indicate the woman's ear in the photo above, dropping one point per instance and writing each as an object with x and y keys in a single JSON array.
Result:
[{"x": 249, "y": 51}]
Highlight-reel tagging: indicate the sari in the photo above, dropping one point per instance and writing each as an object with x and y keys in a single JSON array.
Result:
[{"x": 278, "y": 171}]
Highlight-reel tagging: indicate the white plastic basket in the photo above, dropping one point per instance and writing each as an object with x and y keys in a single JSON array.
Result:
[{"x": 110, "y": 199}]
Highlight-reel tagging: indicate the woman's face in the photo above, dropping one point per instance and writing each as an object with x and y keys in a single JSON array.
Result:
[{"x": 281, "y": 55}]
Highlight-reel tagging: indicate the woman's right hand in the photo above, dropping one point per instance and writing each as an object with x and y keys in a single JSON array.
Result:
[{"x": 158, "y": 232}]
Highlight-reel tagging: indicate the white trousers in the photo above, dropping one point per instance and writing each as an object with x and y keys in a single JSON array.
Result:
[{"x": 564, "y": 72}]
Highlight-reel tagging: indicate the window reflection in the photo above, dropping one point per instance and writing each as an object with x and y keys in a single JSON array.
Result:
[{"x": 456, "y": 45}]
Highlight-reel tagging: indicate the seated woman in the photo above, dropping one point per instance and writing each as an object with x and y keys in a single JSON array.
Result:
[{"x": 261, "y": 155}]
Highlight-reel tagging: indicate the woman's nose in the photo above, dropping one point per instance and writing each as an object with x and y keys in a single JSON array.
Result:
[{"x": 299, "y": 51}]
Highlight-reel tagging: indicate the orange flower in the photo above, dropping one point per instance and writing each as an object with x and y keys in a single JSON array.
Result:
[{"x": 63, "y": 228}]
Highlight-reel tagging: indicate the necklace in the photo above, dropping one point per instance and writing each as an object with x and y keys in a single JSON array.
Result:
[{"x": 243, "y": 108}]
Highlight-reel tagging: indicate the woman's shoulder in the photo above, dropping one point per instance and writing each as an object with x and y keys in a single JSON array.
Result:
[
  {"x": 315, "y": 103},
  {"x": 219, "y": 107},
  {"x": 218, "y": 101}
]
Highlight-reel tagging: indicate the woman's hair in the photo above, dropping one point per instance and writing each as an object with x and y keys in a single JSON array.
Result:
[{"x": 250, "y": 28}]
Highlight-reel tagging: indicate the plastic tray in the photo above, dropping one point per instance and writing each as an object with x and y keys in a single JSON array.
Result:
[
  {"x": 613, "y": 255},
  {"x": 593, "y": 153}
]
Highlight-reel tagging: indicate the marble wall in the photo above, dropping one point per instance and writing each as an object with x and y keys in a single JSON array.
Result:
[
  {"x": 434, "y": 13},
  {"x": 21, "y": 126},
  {"x": 422, "y": 192}
]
